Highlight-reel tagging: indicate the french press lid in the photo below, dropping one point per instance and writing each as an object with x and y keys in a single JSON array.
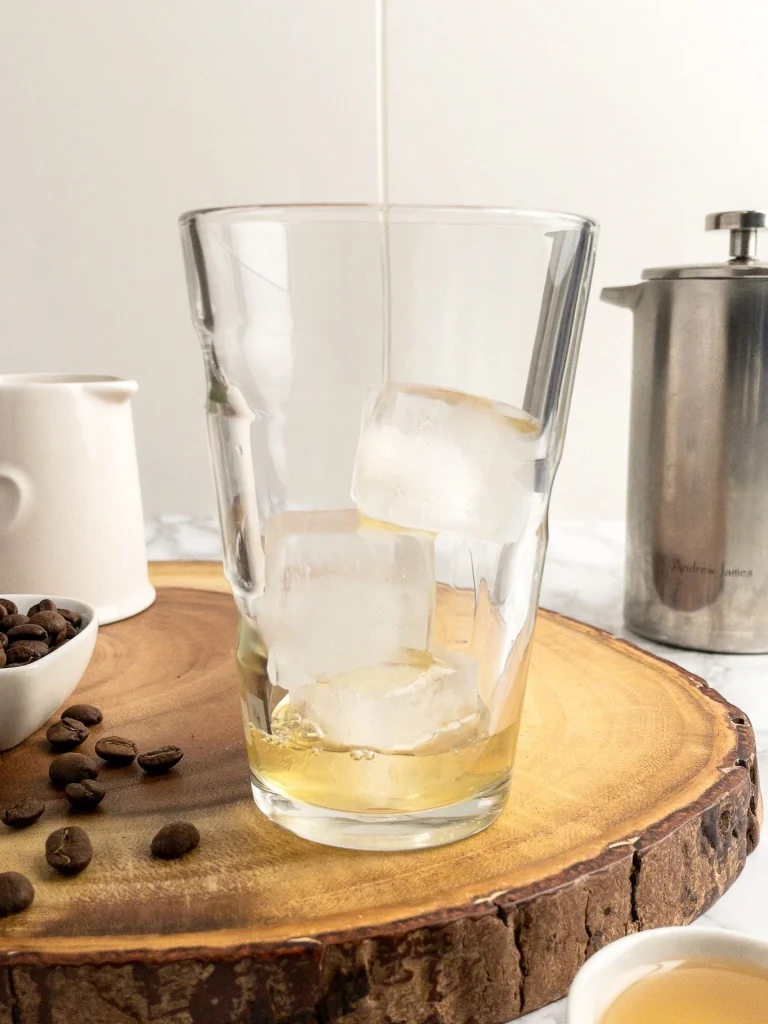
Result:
[{"x": 743, "y": 226}]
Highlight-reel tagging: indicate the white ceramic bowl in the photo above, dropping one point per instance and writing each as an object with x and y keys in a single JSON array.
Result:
[
  {"x": 608, "y": 973},
  {"x": 29, "y": 694}
]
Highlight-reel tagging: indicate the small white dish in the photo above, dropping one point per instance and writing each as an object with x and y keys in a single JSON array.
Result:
[
  {"x": 610, "y": 972},
  {"x": 29, "y": 694}
]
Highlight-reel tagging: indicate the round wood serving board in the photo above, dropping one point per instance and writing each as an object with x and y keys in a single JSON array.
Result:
[{"x": 634, "y": 804}]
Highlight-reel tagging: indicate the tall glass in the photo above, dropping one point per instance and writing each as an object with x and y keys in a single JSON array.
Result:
[{"x": 387, "y": 402}]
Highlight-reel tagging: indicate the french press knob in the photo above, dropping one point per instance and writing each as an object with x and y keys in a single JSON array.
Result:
[{"x": 743, "y": 225}]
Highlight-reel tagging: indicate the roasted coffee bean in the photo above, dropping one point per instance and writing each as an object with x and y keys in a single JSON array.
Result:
[
  {"x": 70, "y": 632},
  {"x": 46, "y": 605},
  {"x": 10, "y": 607},
  {"x": 72, "y": 767},
  {"x": 16, "y": 893},
  {"x": 25, "y": 812},
  {"x": 66, "y": 734},
  {"x": 22, "y": 652},
  {"x": 51, "y": 622},
  {"x": 69, "y": 850},
  {"x": 116, "y": 750},
  {"x": 11, "y": 620},
  {"x": 3, "y": 640},
  {"x": 3, "y": 657},
  {"x": 85, "y": 713},
  {"x": 69, "y": 616},
  {"x": 175, "y": 840},
  {"x": 155, "y": 762},
  {"x": 58, "y": 639},
  {"x": 85, "y": 795},
  {"x": 26, "y": 631}
]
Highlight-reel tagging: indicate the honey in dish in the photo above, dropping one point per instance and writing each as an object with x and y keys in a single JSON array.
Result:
[{"x": 696, "y": 991}]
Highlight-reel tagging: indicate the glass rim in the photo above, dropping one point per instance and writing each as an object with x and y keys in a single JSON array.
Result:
[{"x": 402, "y": 213}]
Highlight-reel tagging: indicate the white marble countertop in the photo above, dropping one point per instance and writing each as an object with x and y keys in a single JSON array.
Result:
[{"x": 583, "y": 578}]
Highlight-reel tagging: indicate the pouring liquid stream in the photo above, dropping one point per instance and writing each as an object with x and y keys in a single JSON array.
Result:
[{"x": 382, "y": 178}]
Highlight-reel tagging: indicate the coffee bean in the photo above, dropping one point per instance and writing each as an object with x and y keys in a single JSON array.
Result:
[
  {"x": 22, "y": 652},
  {"x": 69, "y": 850},
  {"x": 16, "y": 893},
  {"x": 69, "y": 616},
  {"x": 3, "y": 656},
  {"x": 72, "y": 767},
  {"x": 155, "y": 762},
  {"x": 116, "y": 750},
  {"x": 3, "y": 640},
  {"x": 175, "y": 840},
  {"x": 10, "y": 607},
  {"x": 85, "y": 795},
  {"x": 66, "y": 734},
  {"x": 85, "y": 713},
  {"x": 11, "y": 620},
  {"x": 70, "y": 632},
  {"x": 26, "y": 631},
  {"x": 25, "y": 812},
  {"x": 51, "y": 622},
  {"x": 58, "y": 639},
  {"x": 45, "y": 605}
]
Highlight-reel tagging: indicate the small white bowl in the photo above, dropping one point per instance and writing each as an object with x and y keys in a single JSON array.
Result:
[
  {"x": 610, "y": 972},
  {"x": 29, "y": 694}
]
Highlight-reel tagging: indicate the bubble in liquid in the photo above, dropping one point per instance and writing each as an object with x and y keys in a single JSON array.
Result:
[
  {"x": 360, "y": 755},
  {"x": 309, "y": 731}
]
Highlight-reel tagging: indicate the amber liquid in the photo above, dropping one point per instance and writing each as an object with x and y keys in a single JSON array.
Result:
[
  {"x": 699, "y": 991},
  {"x": 287, "y": 757},
  {"x": 371, "y": 782}
]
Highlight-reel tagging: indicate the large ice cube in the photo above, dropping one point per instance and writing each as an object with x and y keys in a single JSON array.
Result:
[
  {"x": 485, "y": 605},
  {"x": 417, "y": 701},
  {"x": 432, "y": 459},
  {"x": 341, "y": 595}
]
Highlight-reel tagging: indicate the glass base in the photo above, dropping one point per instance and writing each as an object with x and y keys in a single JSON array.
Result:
[{"x": 415, "y": 831}]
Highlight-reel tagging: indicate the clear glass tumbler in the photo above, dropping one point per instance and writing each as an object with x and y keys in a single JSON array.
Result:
[{"x": 387, "y": 402}]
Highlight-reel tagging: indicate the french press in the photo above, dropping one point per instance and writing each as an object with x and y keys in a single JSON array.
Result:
[{"x": 697, "y": 515}]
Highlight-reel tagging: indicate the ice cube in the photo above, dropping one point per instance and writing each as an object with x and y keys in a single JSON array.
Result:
[
  {"x": 462, "y": 562},
  {"x": 431, "y": 459},
  {"x": 486, "y": 598},
  {"x": 417, "y": 701},
  {"x": 341, "y": 595},
  {"x": 467, "y": 619}
]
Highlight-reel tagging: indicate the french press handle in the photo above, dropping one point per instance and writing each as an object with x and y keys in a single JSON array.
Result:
[{"x": 743, "y": 225}]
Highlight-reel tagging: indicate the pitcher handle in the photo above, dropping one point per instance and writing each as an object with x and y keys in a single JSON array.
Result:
[{"x": 16, "y": 491}]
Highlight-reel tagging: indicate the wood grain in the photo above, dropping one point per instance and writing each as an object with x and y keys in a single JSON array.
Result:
[{"x": 634, "y": 804}]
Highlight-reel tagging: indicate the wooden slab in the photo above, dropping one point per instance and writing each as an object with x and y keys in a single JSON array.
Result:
[{"x": 635, "y": 803}]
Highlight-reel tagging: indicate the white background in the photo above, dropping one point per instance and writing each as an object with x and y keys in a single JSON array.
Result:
[{"x": 116, "y": 115}]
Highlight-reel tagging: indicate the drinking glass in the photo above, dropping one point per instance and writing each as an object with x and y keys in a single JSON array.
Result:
[{"x": 388, "y": 391}]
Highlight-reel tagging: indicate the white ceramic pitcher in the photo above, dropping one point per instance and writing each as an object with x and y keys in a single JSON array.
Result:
[{"x": 70, "y": 503}]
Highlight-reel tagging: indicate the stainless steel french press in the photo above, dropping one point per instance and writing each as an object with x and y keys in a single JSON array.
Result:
[{"x": 697, "y": 530}]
